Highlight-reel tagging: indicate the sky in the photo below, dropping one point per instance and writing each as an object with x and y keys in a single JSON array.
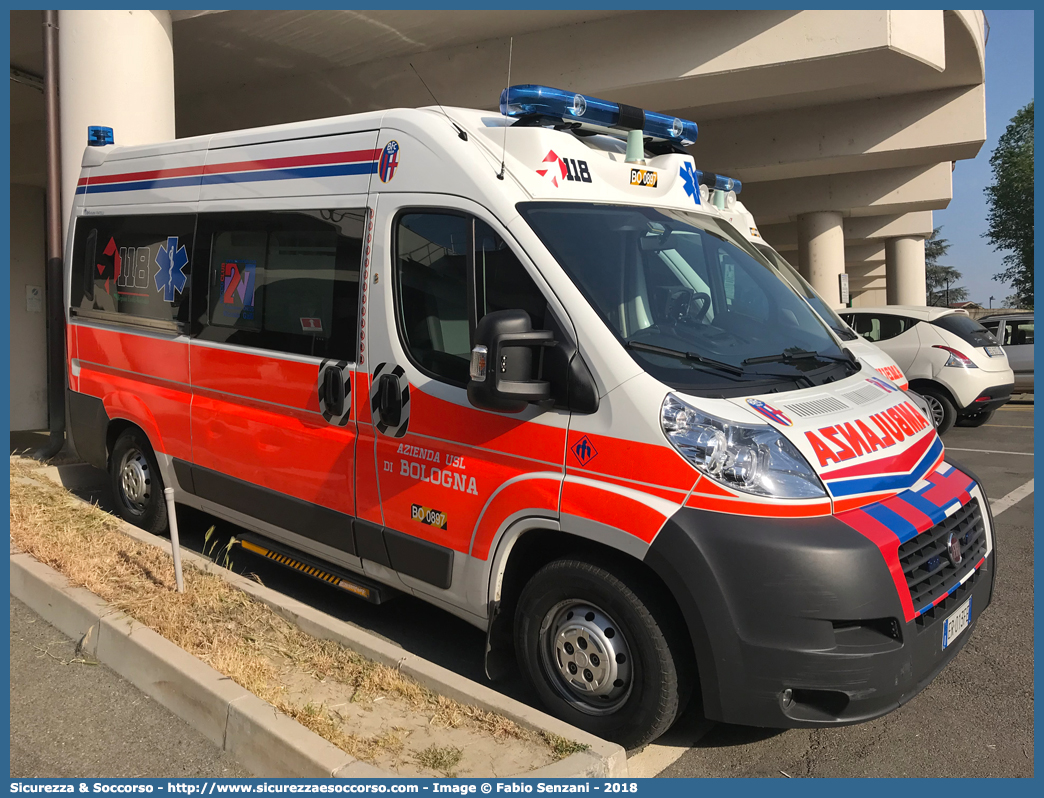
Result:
[{"x": 1009, "y": 86}]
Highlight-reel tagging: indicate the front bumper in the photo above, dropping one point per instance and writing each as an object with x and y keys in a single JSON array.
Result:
[
  {"x": 805, "y": 605},
  {"x": 990, "y": 399}
]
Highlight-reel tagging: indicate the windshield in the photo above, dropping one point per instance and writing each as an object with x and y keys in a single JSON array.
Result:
[
  {"x": 695, "y": 305},
  {"x": 801, "y": 285}
]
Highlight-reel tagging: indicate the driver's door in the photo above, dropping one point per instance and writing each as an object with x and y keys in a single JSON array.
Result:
[{"x": 448, "y": 474}]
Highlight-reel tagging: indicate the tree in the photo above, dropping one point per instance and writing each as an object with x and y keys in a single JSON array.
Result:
[
  {"x": 941, "y": 279},
  {"x": 1010, "y": 198}
]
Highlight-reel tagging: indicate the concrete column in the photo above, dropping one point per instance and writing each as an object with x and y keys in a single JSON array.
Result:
[
  {"x": 904, "y": 270},
  {"x": 116, "y": 68},
  {"x": 821, "y": 253}
]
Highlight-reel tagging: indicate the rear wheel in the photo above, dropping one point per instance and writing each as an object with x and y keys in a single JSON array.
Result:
[
  {"x": 136, "y": 483},
  {"x": 602, "y": 655},
  {"x": 943, "y": 411}
]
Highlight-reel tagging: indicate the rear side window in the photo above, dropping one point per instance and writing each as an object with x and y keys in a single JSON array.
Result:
[
  {"x": 879, "y": 327},
  {"x": 133, "y": 268},
  {"x": 1018, "y": 333},
  {"x": 966, "y": 328},
  {"x": 286, "y": 282}
]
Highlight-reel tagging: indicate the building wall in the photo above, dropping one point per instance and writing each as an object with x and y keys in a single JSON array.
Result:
[{"x": 28, "y": 326}]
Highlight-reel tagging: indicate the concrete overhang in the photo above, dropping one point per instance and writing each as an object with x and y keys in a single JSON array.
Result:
[
  {"x": 864, "y": 229},
  {"x": 906, "y": 130},
  {"x": 243, "y": 68},
  {"x": 876, "y": 193}
]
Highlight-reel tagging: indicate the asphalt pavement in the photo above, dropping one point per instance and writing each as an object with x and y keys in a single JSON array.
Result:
[
  {"x": 975, "y": 719},
  {"x": 73, "y": 718}
]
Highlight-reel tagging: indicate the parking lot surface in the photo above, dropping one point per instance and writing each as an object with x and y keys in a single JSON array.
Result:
[
  {"x": 975, "y": 719},
  {"x": 71, "y": 717}
]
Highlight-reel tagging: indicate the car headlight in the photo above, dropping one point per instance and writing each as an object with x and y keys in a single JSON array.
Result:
[
  {"x": 751, "y": 458},
  {"x": 921, "y": 403}
]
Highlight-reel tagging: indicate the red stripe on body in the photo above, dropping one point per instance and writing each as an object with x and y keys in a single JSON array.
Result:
[
  {"x": 900, "y": 463},
  {"x": 885, "y": 540},
  {"x": 947, "y": 489},
  {"x": 606, "y": 506},
  {"x": 320, "y": 159},
  {"x": 539, "y": 493},
  {"x": 701, "y": 501},
  {"x": 908, "y": 512}
]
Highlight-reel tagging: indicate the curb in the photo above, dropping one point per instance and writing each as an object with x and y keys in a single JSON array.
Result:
[{"x": 264, "y": 740}]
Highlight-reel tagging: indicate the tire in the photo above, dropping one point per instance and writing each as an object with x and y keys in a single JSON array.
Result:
[
  {"x": 585, "y": 601},
  {"x": 942, "y": 408},
  {"x": 137, "y": 486},
  {"x": 975, "y": 420}
]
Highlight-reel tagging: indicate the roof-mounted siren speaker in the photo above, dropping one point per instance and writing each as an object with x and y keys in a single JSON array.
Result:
[
  {"x": 558, "y": 107},
  {"x": 98, "y": 136}
]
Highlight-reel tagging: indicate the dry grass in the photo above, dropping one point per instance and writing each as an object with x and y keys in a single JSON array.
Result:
[
  {"x": 441, "y": 758},
  {"x": 214, "y": 621}
]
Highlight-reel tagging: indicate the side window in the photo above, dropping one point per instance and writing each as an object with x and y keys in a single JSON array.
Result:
[
  {"x": 133, "y": 268},
  {"x": 439, "y": 301},
  {"x": 867, "y": 326},
  {"x": 283, "y": 281},
  {"x": 1018, "y": 333},
  {"x": 432, "y": 275},
  {"x": 501, "y": 281}
]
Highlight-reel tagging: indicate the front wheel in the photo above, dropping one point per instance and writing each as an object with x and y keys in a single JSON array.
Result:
[
  {"x": 136, "y": 483},
  {"x": 601, "y": 654}
]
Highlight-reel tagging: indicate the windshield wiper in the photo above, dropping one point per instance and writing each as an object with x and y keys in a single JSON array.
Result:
[
  {"x": 782, "y": 357},
  {"x": 692, "y": 357}
]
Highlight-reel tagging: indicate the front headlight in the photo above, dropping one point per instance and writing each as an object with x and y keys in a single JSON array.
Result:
[{"x": 754, "y": 458}]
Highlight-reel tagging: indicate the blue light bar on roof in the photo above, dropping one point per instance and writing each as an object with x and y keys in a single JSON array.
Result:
[
  {"x": 98, "y": 136},
  {"x": 720, "y": 182},
  {"x": 568, "y": 106}
]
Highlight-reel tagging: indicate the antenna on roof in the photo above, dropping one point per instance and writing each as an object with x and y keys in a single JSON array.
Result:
[
  {"x": 460, "y": 131},
  {"x": 503, "y": 153}
]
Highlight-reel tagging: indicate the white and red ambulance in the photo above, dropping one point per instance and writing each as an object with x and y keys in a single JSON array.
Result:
[{"x": 526, "y": 370}]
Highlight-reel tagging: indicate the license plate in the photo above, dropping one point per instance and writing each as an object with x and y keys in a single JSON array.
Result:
[
  {"x": 994, "y": 351},
  {"x": 957, "y": 623}
]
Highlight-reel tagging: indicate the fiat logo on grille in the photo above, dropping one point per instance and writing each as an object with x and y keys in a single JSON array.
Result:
[{"x": 953, "y": 549}]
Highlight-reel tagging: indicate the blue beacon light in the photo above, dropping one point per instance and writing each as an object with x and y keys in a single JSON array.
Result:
[
  {"x": 567, "y": 106},
  {"x": 98, "y": 136}
]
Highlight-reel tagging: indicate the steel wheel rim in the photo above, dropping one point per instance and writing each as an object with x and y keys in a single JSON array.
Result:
[
  {"x": 135, "y": 480},
  {"x": 937, "y": 409},
  {"x": 586, "y": 656}
]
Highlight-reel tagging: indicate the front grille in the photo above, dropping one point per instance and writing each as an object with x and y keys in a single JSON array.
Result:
[{"x": 924, "y": 560}]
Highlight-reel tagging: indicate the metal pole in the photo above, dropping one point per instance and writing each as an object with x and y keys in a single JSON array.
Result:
[
  {"x": 54, "y": 279},
  {"x": 175, "y": 544}
]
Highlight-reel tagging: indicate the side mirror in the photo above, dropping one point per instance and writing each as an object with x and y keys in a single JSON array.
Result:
[{"x": 506, "y": 362}]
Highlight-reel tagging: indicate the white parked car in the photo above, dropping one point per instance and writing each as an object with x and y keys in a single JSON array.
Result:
[{"x": 949, "y": 358}]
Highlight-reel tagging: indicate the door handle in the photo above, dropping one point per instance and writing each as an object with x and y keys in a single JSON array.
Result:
[
  {"x": 333, "y": 391},
  {"x": 389, "y": 400}
]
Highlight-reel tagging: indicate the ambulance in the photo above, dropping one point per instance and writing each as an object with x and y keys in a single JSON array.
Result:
[{"x": 521, "y": 366}]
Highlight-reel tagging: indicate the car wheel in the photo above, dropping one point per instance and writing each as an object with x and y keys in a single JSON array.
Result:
[
  {"x": 602, "y": 654},
  {"x": 976, "y": 419},
  {"x": 136, "y": 482},
  {"x": 943, "y": 411}
]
